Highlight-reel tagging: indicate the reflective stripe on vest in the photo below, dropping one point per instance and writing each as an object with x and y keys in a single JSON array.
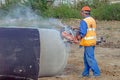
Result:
[
  {"x": 90, "y": 38},
  {"x": 91, "y": 29}
]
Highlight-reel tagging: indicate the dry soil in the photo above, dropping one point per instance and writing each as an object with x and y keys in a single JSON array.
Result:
[{"x": 107, "y": 54}]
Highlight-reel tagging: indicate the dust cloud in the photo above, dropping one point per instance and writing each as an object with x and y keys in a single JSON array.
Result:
[{"x": 23, "y": 16}]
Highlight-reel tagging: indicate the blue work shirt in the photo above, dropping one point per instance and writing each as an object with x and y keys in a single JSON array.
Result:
[{"x": 83, "y": 28}]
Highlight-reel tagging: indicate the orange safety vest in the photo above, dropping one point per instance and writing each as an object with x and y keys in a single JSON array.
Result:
[{"x": 90, "y": 38}]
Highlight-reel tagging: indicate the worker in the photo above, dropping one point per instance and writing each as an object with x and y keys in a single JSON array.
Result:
[{"x": 88, "y": 41}]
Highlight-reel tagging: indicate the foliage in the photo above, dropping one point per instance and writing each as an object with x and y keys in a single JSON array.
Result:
[
  {"x": 107, "y": 12},
  {"x": 34, "y": 4},
  {"x": 5, "y": 8},
  {"x": 38, "y": 5},
  {"x": 101, "y": 10},
  {"x": 92, "y": 3},
  {"x": 62, "y": 11}
]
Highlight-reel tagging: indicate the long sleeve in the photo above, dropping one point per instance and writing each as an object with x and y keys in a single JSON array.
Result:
[{"x": 83, "y": 28}]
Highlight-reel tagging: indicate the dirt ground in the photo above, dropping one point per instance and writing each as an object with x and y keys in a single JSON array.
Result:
[{"x": 107, "y": 54}]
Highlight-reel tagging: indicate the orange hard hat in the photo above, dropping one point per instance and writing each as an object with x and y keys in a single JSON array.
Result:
[{"x": 86, "y": 8}]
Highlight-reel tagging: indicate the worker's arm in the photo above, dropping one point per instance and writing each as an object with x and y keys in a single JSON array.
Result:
[{"x": 83, "y": 28}]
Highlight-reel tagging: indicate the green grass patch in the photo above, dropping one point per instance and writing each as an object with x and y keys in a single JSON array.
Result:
[
  {"x": 62, "y": 11},
  {"x": 107, "y": 12}
]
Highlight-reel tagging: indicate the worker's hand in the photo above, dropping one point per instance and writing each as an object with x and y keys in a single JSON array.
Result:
[
  {"x": 79, "y": 37},
  {"x": 67, "y": 36}
]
